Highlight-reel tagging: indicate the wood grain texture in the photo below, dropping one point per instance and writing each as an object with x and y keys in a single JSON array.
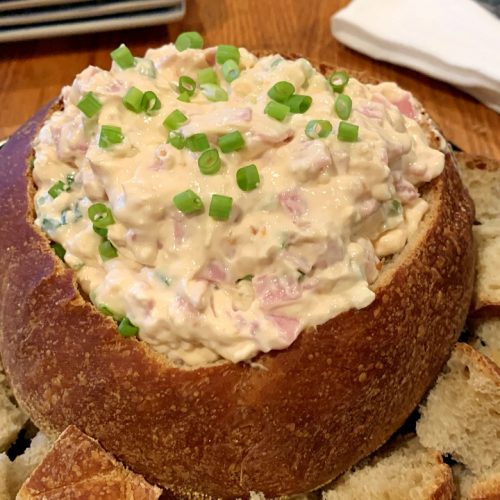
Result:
[{"x": 33, "y": 72}]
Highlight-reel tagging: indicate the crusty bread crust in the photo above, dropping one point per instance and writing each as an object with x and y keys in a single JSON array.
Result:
[{"x": 289, "y": 422}]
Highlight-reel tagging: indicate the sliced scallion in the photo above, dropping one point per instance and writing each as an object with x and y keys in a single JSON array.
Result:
[
  {"x": 231, "y": 142},
  {"x": 343, "y": 106},
  {"x": 188, "y": 202},
  {"x": 226, "y": 52},
  {"x": 174, "y": 120},
  {"x": 338, "y": 80},
  {"x": 220, "y": 207},
  {"x": 318, "y": 129},
  {"x": 150, "y": 102},
  {"x": 184, "y": 97},
  {"x": 58, "y": 249},
  {"x": 56, "y": 189},
  {"x": 207, "y": 75},
  {"x": 187, "y": 85},
  {"x": 276, "y": 110},
  {"x": 299, "y": 103},
  {"x": 189, "y": 40},
  {"x": 127, "y": 329},
  {"x": 281, "y": 91},
  {"x": 133, "y": 99},
  {"x": 176, "y": 139},
  {"x": 110, "y": 135},
  {"x": 347, "y": 132},
  {"x": 213, "y": 92},
  {"x": 100, "y": 215},
  {"x": 209, "y": 162},
  {"x": 89, "y": 105},
  {"x": 107, "y": 251},
  {"x": 248, "y": 178},
  {"x": 231, "y": 70},
  {"x": 197, "y": 142},
  {"x": 101, "y": 231},
  {"x": 123, "y": 57}
]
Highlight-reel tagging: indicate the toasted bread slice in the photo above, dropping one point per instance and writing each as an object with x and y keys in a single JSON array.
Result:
[
  {"x": 406, "y": 471},
  {"x": 461, "y": 416},
  {"x": 78, "y": 468}
]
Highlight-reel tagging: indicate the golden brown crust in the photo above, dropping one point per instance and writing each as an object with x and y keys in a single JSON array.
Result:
[
  {"x": 287, "y": 424},
  {"x": 78, "y": 468}
]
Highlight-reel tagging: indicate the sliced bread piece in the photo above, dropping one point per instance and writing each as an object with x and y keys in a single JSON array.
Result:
[
  {"x": 12, "y": 420},
  {"x": 482, "y": 177},
  {"x": 487, "y": 285},
  {"x": 461, "y": 416},
  {"x": 407, "y": 471},
  {"x": 487, "y": 341},
  {"x": 78, "y": 468},
  {"x": 471, "y": 487}
]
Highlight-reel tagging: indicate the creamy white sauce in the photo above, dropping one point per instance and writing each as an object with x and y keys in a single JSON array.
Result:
[{"x": 311, "y": 234}]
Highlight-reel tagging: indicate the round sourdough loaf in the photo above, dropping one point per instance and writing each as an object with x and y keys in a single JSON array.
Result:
[{"x": 289, "y": 422}]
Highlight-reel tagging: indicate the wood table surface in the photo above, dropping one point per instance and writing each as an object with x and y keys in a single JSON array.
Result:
[{"x": 33, "y": 72}]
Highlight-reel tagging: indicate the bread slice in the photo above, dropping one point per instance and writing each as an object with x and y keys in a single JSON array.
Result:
[
  {"x": 471, "y": 487},
  {"x": 461, "y": 416},
  {"x": 482, "y": 177},
  {"x": 487, "y": 337},
  {"x": 407, "y": 471},
  {"x": 78, "y": 468},
  {"x": 12, "y": 418}
]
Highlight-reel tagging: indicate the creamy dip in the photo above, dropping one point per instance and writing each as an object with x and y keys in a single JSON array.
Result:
[{"x": 297, "y": 250}]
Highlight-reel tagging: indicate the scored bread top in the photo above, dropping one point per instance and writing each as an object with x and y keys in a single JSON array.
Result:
[{"x": 287, "y": 423}]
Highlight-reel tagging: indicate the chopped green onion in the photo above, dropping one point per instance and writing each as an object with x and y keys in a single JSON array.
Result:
[
  {"x": 281, "y": 91},
  {"x": 338, "y": 80},
  {"x": 123, "y": 57},
  {"x": 176, "y": 139},
  {"x": 209, "y": 162},
  {"x": 247, "y": 277},
  {"x": 110, "y": 135},
  {"x": 299, "y": 103},
  {"x": 101, "y": 231},
  {"x": 189, "y": 40},
  {"x": 56, "y": 189},
  {"x": 207, "y": 75},
  {"x": 226, "y": 52},
  {"x": 347, "y": 132},
  {"x": 231, "y": 70},
  {"x": 150, "y": 102},
  {"x": 343, "y": 106},
  {"x": 393, "y": 208},
  {"x": 318, "y": 128},
  {"x": 220, "y": 207},
  {"x": 58, "y": 249},
  {"x": 231, "y": 142},
  {"x": 188, "y": 202},
  {"x": 187, "y": 85},
  {"x": 133, "y": 99},
  {"x": 100, "y": 215},
  {"x": 247, "y": 178},
  {"x": 127, "y": 329},
  {"x": 89, "y": 105},
  {"x": 276, "y": 110},
  {"x": 70, "y": 179},
  {"x": 108, "y": 312},
  {"x": 107, "y": 251},
  {"x": 197, "y": 142},
  {"x": 174, "y": 120},
  {"x": 184, "y": 97},
  {"x": 213, "y": 92}
]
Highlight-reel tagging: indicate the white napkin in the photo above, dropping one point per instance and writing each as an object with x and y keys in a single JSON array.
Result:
[{"x": 457, "y": 41}]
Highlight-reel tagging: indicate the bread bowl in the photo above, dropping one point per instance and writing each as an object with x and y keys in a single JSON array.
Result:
[{"x": 287, "y": 422}]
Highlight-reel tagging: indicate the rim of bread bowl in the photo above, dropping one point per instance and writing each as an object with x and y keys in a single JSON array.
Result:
[{"x": 287, "y": 423}]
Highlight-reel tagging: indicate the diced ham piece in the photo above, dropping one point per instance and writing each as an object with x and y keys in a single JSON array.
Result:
[
  {"x": 405, "y": 106},
  {"x": 289, "y": 327},
  {"x": 368, "y": 207},
  {"x": 405, "y": 190},
  {"x": 214, "y": 271},
  {"x": 274, "y": 291},
  {"x": 373, "y": 110},
  {"x": 293, "y": 202},
  {"x": 334, "y": 253},
  {"x": 179, "y": 229}
]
